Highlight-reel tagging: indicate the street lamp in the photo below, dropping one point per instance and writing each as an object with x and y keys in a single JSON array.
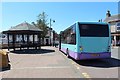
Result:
[{"x": 51, "y": 29}]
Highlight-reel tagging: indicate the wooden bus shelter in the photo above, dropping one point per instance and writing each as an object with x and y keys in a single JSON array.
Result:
[{"x": 27, "y": 34}]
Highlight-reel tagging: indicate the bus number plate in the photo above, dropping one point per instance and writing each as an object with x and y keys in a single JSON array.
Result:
[{"x": 95, "y": 55}]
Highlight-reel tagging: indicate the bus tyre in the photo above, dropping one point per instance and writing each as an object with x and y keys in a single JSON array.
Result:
[{"x": 67, "y": 52}]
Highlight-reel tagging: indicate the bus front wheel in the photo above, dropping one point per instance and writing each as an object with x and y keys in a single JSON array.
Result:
[{"x": 67, "y": 52}]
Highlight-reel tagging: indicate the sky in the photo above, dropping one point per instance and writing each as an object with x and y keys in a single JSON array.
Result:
[{"x": 64, "y": 13}]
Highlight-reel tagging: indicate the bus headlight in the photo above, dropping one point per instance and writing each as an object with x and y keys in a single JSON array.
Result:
[{"x": 81, "y": 48}]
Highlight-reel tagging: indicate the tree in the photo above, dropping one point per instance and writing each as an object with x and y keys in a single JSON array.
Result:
[{"x": 42, "y": 24}]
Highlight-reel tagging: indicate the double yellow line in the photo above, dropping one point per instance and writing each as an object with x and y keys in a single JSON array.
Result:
[
  {"x": 84, "y": 73},
  {"x": 77, "y": 66}
]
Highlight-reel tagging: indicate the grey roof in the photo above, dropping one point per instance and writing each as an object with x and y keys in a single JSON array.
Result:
[
  {"x": 112, "y": 18},
  {"x": 25, "y": 26}
]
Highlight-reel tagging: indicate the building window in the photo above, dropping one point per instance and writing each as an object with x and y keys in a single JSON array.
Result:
[{"x": 118, "y": 26}]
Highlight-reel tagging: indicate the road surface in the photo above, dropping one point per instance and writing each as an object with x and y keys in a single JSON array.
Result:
[{"x": 51, "y": 63}]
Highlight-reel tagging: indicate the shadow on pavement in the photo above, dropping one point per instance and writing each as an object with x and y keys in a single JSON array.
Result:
[
  {"x": 5, "y": 68},
  {"x": 32, "y": 51},
  {"x": 102, "y": 63}
]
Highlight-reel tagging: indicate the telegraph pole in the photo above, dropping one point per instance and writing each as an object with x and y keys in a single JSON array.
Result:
[{"x": 51, "y": 29}]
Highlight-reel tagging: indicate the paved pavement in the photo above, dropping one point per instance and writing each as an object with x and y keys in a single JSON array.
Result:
[
  {"x": 51, "y": 63},
  {"x": 115, "y": 52},
  {"x": 46, "y": 63}
]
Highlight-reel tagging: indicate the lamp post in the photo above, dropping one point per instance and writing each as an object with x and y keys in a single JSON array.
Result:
[{"x": 51, "y": 29}]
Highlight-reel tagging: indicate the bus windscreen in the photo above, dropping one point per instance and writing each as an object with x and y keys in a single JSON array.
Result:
[{"x": 94, "y": 30}]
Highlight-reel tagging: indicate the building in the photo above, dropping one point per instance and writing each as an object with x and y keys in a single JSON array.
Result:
[
  {"x": 114, "y": 21},
  {"x": 51, "y": 37},
  {"x": 48, "y": 37}
]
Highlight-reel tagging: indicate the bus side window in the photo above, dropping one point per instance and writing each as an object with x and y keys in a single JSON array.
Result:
[
  {"x": 73, "y": 34},
  {"x": 73, "y": 39},
  {"x": 69, "y": 35}
]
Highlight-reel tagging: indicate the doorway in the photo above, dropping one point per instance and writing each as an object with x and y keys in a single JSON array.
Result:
[{"x": 47, "y": 42}]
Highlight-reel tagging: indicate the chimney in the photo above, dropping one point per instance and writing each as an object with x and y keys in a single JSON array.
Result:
[
  {"x": 108, "y": 14},
  {"x": 100, "y": 20}
]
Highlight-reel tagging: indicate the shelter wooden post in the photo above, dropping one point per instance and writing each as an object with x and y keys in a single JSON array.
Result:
[
  {"x": 39, "y": 39},
  {"x": 33, "y": 40},
  {"x": 27, "y": 41},
  {"x": 36, "y": 44},
  {"x": 13, "y": 43},
  {"x": 8, "y": 42},
  {"x": 23, "y": 38}
]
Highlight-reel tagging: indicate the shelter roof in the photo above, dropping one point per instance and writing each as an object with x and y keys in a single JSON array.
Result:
[{"x": 25, "y": 26}]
